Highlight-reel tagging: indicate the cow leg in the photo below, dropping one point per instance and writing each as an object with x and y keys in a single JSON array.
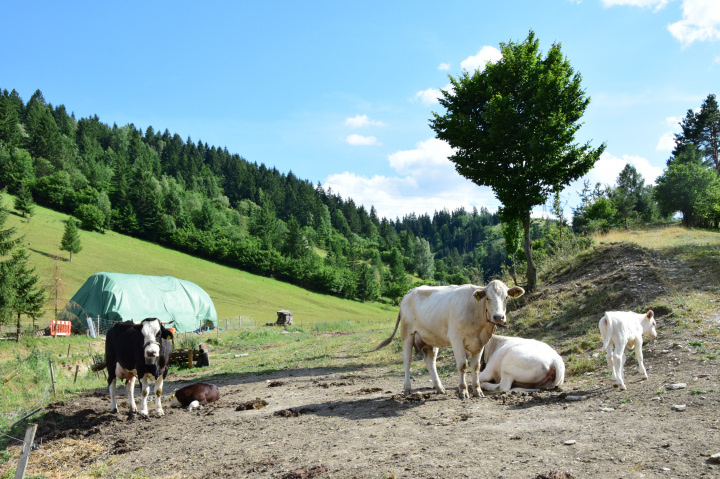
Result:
[
  {"x": 491, "y": 386},
  {"x": 158, "y": 395},
  {"x": 618, "y": 363},
  {"x": 407, "y": 359},
  {"x": 430, "y": 354},
  {"x": 130, "y": 390},
  {"x": 474, "y": 375},
  {"x": 112, "y": 380},
  {"x": 145, "y": 388},
  {"x": 609, "y": 357},
  {"x": 461, "y": 363},
  {"x": 639, "y": 354},
  {"x": 112, "y": 387}
]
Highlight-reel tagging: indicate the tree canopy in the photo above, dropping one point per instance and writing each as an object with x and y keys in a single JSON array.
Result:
[
  {"x": 702, "y": 129},
  {"x": 513, "y": 125}
]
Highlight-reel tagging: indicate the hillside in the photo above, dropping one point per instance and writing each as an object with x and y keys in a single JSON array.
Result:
[{"x": 234, "y": 292}]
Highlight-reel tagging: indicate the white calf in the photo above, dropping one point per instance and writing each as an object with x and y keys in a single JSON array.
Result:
[
  {"x": 620, "y": 330},
  {"x": 520, "y": 363}
]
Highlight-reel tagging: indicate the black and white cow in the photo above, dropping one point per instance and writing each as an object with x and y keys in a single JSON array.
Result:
[{"x": 142, "y": 351}]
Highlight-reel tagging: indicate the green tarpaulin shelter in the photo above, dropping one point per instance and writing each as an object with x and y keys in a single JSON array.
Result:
[{"x": 120, "y": 297}]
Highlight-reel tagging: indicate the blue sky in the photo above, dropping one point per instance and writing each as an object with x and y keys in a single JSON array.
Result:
[{"x": 341, "y": 92}]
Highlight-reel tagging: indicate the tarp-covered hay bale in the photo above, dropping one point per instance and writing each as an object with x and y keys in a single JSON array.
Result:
[{"x": 122, "y": 297}]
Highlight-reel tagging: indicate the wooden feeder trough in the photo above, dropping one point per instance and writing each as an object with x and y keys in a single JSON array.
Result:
[{"x": 197, "y": 357}]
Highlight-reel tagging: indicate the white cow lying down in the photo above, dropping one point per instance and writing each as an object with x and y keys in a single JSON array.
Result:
[
  {"x": 620, "y": 330},
  {"x": 520, "y": 363}
]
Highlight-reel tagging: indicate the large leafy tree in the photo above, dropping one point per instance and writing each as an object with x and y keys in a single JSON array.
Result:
[
  {"x": 689, "y": 187},
  {"x": 702, "y": 128},
  {"x": 513, "y": 129}
]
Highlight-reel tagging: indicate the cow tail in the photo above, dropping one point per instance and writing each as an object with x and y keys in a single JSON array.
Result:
[
  {"x": 387, "y": 341},
  {"x": 97, "y": 367}
]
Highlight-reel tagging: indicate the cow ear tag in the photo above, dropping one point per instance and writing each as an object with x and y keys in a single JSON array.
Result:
[{"x": 479, "y": 294}]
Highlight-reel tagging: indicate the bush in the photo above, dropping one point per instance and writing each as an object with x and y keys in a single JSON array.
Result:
[{"x": 91, "y": 218}]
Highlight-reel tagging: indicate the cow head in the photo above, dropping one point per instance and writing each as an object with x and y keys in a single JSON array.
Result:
[
  {"x": 648, "y": 324},
  {"x": 496, "y": 295},
  {"x": 153, "y": 333}
]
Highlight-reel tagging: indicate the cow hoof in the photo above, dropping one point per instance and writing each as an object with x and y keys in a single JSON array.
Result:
[
  {"x": 623, "y": 387},
  {"x": 463, "y": 394},
  {"x": 615, "y": 385},
  {"x": 440, "y": 390},
  {"x": 113, "y": 410},
  {"x": 160, "y": 413}
]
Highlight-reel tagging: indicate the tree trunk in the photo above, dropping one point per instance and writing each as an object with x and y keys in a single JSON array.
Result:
[
  {"x": 71, "y": 256},
  {"x": 531, "y": 270}
]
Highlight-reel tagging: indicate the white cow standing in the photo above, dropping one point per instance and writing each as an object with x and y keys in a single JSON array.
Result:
[
  {"x": 620, "y": 330},
  {"x": 463, "y": 317},
  {"x": 521, "y": 364}
]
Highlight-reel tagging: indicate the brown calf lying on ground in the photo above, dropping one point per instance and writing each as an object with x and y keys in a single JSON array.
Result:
[{"x": 195, "y": 395}]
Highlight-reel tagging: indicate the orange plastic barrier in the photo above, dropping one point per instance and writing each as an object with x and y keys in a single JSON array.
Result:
[{"x": 60, "y": 328}]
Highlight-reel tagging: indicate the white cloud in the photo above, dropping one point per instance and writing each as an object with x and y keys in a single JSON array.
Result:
[
  {"x": 609, "y": 166},
  {"x": 427, "y": 154},
  {"x": 426, "y": 182},
  {"x": 432, "y": 95},
  {"x": 429, "y": 96},
  {"x": 444, "y": 66},
  {"x": 483, "y": 57},
  {"x": 666, "y": 142},
  {"x": 361, "y": 140},
  {"x": 359, "y": 121},
  {"x": 701, "y": 22},
  {"x": 658, "y": 4}
]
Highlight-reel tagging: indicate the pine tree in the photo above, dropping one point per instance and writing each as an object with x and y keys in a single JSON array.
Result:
[
  {"x": 9, "y": 122},
  {"x": 24, "y": 203},
  {"x": 29, "y": 295},
  {"x": 71, "y": 238},
  {"x": 8, "y": 243}
]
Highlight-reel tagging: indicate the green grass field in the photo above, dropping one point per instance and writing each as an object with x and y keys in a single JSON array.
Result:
[{"x": 234, "y": 292}]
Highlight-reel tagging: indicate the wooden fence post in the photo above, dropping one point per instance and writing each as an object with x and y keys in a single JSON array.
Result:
[
  {"x": 27, "y": 447},
  {"x": 52, "y": 377},
  {"x": 77, "y": 366},
  {"x": 68, "y": 353}
]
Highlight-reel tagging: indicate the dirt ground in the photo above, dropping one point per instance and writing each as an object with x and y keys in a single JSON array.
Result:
[{"x": 354, "y": 423}]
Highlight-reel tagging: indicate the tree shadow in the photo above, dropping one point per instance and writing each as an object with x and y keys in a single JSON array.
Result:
[{"x": 48, "y": 255}]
